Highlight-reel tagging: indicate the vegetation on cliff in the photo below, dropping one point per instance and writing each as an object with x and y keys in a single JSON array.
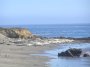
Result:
[{"x": 16, "y": 32}]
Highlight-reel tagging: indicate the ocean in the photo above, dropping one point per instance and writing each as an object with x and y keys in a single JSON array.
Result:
[{"x": 77, "y": 31}]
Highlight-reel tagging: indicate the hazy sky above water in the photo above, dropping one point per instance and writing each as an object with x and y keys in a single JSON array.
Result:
[{"x": 44, "y": 11}]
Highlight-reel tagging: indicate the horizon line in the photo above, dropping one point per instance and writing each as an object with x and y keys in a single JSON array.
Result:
[{"x": 41, "y": 24}]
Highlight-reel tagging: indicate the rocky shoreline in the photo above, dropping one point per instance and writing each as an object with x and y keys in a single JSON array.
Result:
[
  {"x": 18, "y": 44},
  {"x": 24, "y": 37}
]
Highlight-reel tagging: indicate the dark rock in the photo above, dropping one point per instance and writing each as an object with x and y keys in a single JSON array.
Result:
[
  {"x": 86, "y": 55},
  {"x": 71, "y": 52}
]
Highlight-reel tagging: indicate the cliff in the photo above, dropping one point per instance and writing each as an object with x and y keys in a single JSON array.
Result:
[{"x": 16, "y": 32}]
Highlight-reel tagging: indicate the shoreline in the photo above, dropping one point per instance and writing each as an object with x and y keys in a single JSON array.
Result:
[
  {"x": 19, "y": 50},
  {"x": 23, "y": 56},
  {"x": 19, "y": 55}
]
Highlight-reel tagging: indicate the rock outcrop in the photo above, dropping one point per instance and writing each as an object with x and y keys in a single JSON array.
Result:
[
  {"x": 73, "y": 52},
  {"x": 16, "y": 32}
]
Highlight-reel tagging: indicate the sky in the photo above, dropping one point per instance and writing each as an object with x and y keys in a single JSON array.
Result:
[{"x": 15, "y": 12}]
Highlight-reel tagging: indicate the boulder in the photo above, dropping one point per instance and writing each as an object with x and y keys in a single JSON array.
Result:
[
  {"x": 71, "y": 53},
  {"x": 86, "y": 55}
]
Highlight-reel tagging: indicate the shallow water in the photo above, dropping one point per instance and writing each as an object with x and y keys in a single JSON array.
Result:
[{"x": 69, "y": 61}]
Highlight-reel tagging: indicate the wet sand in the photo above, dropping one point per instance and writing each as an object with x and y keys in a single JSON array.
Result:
[{"x": 22, "y": 56}]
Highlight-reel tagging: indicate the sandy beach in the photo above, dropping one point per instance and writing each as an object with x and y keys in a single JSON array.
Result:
[
  {"x": 23, "y": 56},
  {"x": 16, "y": 50}
]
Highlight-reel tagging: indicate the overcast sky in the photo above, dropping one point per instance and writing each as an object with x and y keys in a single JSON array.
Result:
[{"x": 44, "y": 11}]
